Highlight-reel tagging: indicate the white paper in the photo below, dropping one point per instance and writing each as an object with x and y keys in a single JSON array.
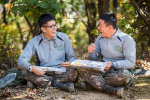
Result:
[
  {"x": 54, "y": 69},
  {"x": 87, "y": 64}
]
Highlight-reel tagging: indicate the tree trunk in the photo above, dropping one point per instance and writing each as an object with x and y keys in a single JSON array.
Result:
[
  {"x": 4, "y": 15},
  {"x": 91, "y": 11},
  {"x": 4, "y": 21},
  {"x": 148, "y": 7},
  {"x": 115, "y": 5},
  {"x": 103, "y": 6},
  {"x": 144, "y": 16},
  {"x": 149, "y": 34},
  {"x": 34, "y": 29},
  {"x": 148, "y": 4}
]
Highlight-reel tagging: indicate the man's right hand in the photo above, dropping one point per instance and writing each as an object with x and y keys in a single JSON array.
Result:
[
  {"x": 91, "y": 48},
  {"x": 65, "y": 64},
  {"x": 38, "y": 71}
]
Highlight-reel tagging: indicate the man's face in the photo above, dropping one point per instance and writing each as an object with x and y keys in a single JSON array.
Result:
[
  {"x": 103, "y": 28},
  {"x": 49, "y": 29}
]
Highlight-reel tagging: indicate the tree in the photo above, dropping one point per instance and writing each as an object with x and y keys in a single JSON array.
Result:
[
  {"x": 31, "y": 10},
  {"x": 11, "y": 28},
  {"x": 103, "y": 6},
  {"x": 115, "y": 5},
  {"x": 90, "y": 8},
  {"x": 143, "y": 12}
]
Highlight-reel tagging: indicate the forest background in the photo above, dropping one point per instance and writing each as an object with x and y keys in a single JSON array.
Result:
[{"x": 78, "y": 19}]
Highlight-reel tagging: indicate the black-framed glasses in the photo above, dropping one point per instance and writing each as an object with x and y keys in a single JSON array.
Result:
[{"x": 52, "y": 27}]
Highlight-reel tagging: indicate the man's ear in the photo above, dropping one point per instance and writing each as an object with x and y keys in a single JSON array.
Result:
[
  {"x": 43, "y": 29},
  {"x": 110, "y": 26}
]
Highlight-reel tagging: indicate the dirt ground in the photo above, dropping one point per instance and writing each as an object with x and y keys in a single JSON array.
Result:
[{"x": 138, "y": 91}]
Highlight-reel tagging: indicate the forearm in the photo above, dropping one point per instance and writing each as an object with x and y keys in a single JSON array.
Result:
[
  {"x": 71, "y": 59},
  {"x": 92, "y": 56},
  {"x": 23, "y": 63},
  {"x": 124, "y": 64},
  {"x": 70, "y": 56},
  {"x": 96, "y": 54}
]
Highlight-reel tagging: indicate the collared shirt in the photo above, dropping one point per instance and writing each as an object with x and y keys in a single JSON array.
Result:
[
  {"x": 51, "y": 53},
  {"x": 118, "y": 49}
]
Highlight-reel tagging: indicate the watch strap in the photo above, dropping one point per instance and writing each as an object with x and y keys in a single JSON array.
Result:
[{"x": 112, "y": 65}]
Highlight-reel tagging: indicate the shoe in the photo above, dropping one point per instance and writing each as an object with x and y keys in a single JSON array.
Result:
[
  {"x": 118, "y": 91},
  {"x": 129, "y": 84},
  {"x": 30, "y": 85},
  {"x": 64, "y": 86},
  {"x": 86, "y": 86},
  {"x": 70, "y": 87}
]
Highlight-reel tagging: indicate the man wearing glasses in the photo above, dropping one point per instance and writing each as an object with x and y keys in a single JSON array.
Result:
[{"x": 52, "y": 48}]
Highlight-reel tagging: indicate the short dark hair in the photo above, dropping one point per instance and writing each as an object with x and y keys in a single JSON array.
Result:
[
  {"x": 110, "y": 19},
  {"x": 44, "y": 18}
]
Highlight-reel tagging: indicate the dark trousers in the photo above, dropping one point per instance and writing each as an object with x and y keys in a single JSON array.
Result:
[
  {"x": 70, "y": 75},
  {"x": 117, "y": 78}
]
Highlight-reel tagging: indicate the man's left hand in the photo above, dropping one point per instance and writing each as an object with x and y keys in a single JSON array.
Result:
[
  {"x": 108, "y": 66},
  {"x": 65, "y": 64}
]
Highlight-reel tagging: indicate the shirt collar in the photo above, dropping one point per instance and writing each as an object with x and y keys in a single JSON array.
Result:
[
  {"x": 45, "y": 39},
  {"x": 115, "y": 34}
]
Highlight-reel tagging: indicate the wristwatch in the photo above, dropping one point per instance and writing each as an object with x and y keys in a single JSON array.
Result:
[
  {"x": 30, "y": 68},
  {"x": 112, "y": 65}
]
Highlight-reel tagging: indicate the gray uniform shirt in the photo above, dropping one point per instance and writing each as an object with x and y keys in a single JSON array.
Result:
[
  {"x": 118, "y": 49},
  {"x": 51, "y": 53}
]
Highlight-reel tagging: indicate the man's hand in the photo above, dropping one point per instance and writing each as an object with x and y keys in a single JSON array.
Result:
[
  {"x": 38, "y": 70},
  {"x": 65, "y": 64},
  {"x": 91, "y": 48},
  {"x": 108, "y": 66}
]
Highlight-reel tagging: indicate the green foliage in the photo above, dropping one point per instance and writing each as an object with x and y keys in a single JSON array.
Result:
[
  {"x": 33, "y": 8},
  {"x": 33, "y": 2},
  {"x": 8, "y": 32},
  {"x": 4, "y": 1},
  {"x": 126, "y": 18},
  {"x": 71, "y": 24}
]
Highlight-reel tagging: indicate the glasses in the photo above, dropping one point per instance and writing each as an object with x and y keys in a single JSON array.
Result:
[{"x": 52, "y": 27}]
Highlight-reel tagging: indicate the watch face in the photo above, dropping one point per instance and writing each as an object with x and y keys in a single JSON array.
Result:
[{"x": 30, "y": 68}]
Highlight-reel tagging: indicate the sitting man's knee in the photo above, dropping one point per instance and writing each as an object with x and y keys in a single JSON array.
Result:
[{"x": 24, "y": 72}]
